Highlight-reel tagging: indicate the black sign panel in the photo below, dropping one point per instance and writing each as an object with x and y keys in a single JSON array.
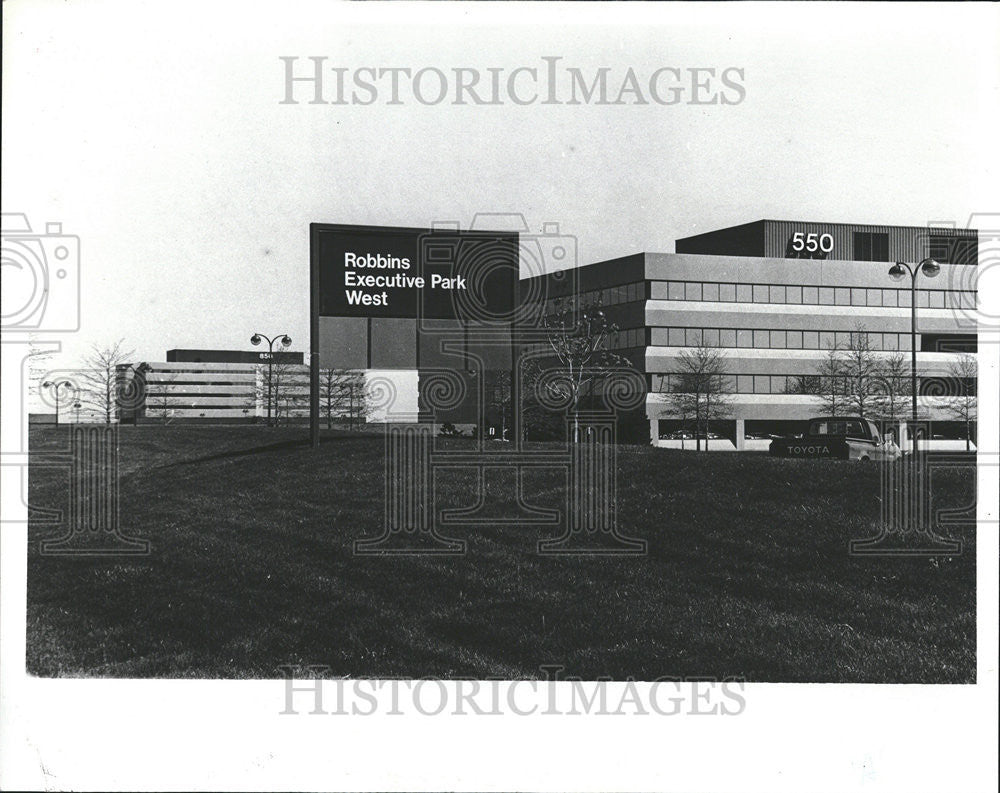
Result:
[{"x": 370, "y": 271}]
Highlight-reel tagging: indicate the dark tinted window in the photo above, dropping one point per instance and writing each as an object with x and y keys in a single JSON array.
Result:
[{"x": 870, "y": 246}]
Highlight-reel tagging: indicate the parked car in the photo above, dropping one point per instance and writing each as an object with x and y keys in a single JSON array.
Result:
[{"x": 844, "y": 438}]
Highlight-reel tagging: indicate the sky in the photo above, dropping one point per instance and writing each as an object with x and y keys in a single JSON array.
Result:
[{"x": 156, "y": 133}]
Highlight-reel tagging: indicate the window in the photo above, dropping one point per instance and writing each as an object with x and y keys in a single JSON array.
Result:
[
  {"x": 793, "y": 294},
  {"x": 760, "y": 293},
  {"x": 692, "y": 291},
  {"x": 923, "y": 298},
  {"x": 889, "y": 297},
  {"x": 873, "y": 297},
  {"x": 727, "y": 293},
  {"x": 826, "y": 296},
  {"x": 659, "y": 290},
  {"x": 843, "y": 339},
  {"x": 777, "y": 294},
  {"x": 968, "y": 300},
  {"x": 871, "y": 246},
  {"x": 936, "y": 298},
  {"x": 875, "y": 341},
  {"x": 710, "y": 292},
  {"x": 744, "y": 294},
  {"x": 727, "y": 337},
  {"x": 744, "y": 338},
  {"x": 777, "y": 340},
  {"x": 904, "y": 341},
  {"x": 843, "y": 296},
  {"x": 890, "y": 341},
  {"x": 710, "y": 337},
  {"x": 827, "y": 340},
  {"x": 859, "y": 297},
  {"x": 810, "y": 340},
  {"x": 779, "y": 384},
  {"x": 744, "y": 384},
  {"x": 729, "y": 383},
  {"x": 903, "y": 296},
  {"x": 693, "y": 337},
  {"x": 761, "y": 384},
  {"x": 761, "y": 339},
  {"x": 794, "y": 340},
  {"x": 810, "y": 295},
  {"x": 675, "y": 337},
  {"x": 952, "y": 249},
  {"x": 676, "y": 290}
]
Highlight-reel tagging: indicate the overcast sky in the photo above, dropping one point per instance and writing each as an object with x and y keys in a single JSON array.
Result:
[{"x": 155, "y": 133}]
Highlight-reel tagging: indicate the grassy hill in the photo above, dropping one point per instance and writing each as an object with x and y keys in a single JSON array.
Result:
[{"x": 747, "y": 574}]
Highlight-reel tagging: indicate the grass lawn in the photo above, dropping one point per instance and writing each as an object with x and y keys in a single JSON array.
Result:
[{"x": 747, "y": 574}]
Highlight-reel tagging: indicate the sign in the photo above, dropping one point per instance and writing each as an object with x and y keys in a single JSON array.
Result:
[
  {"x": 366, "y": 271},
  {"x": 809, "y": 245},
  {"x": 390, "y": 275}
]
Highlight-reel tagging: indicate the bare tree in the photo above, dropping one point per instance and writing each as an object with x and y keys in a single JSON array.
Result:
[
  {"x": 580, "y": 337},
  {"x": 343, "y": 395},
  {"x": 100, "y": 377},
  {"x": 831, "y": 391},
  {"x": 538, "y": 421},
  {"x": 859, "y": 367},
  {"x": 162, "y": 404},
  {"x": 892, "y": 388},
  {"x": 700, "y": 389},
  {"x": 283, "y": 387},
  {"x": 961, "y": 404}
]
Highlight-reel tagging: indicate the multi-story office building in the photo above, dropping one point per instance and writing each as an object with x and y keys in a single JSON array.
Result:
[
  {"x": 775, "y": 297},
  {"x": 218, "y": 386}
]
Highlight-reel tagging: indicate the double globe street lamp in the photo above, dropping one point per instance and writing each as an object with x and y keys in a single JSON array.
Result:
[
  {"x": 55, "y": 386},
  {"x": 929, "y": 268},
  {"x": 286, "y": 341}
]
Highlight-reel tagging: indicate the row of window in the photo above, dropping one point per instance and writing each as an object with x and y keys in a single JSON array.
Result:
[
  {"x": 634, "y": 337},
  {"x": 811, "y": 384},
  {"x": 611, "y": 296},
  {"x": 773, "y": 339},
  {"x": 809, "y": 295},
  {"x": 623, "y": 339}
]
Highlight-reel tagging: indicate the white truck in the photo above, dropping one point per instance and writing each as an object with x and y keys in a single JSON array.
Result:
[{"x": 843, "y": 438}]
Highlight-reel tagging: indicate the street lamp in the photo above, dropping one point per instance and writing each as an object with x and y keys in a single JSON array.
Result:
[
  {"x": 55, "y": 386},
  {"x": 286, "y": 341},
  {"x": 930, "y": 268}
]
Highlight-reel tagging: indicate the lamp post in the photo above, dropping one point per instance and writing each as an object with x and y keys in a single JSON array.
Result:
[
  {"x": 929, "y": 268},
  {"x": 286, "y": 341},
  {"x": 55, "y": 386}
]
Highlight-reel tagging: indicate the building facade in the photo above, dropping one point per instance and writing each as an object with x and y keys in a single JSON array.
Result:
[
  {"x": 772, "y": 297},
  {"x": 775, "y": 297}
]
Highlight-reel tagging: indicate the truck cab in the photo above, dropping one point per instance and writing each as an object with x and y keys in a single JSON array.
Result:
[{"x": 838, "y": 437}]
